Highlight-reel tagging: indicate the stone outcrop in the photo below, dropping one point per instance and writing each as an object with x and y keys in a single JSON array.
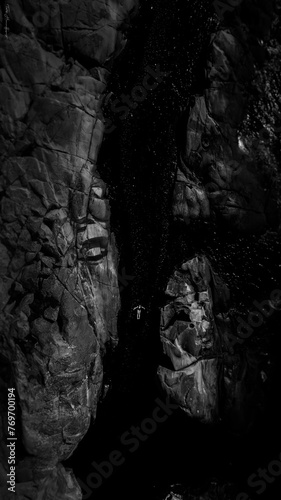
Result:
[
  {"x": 59, "y": 295},
  {"x": 191, "y": 339},
  {"x": 58, "y": 259},
  {"x": 201, "y": 371},
  {"x": 217, "y": 180},
  {"x": 218, "y": 176}
]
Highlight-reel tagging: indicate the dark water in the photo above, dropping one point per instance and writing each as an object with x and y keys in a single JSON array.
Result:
[{"x": 138, "y": 162}]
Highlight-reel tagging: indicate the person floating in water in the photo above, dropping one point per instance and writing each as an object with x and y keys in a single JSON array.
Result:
[{"x": 138, "y": 308}]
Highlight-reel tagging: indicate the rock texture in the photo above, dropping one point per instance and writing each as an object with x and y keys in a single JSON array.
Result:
[
  {"x": 201, "y": 372},
  {"x": 217, "y": 179},
  {"x": 218, "y": 176},
  {"x": 191, "y": 339},
  {"x": 216, "y": 491},
  {"x": 58, "y": 259}
]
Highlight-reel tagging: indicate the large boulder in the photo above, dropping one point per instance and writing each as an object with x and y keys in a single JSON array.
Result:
[{"x": 200, "y": 369}]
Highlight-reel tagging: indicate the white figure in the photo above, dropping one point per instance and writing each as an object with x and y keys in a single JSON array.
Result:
[{"x": 139, "y": 308}]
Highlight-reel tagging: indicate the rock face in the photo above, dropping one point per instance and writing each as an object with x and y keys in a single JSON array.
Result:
[
  {"x": 59, "y": 294},
  {"x": 217, "y": 176},
  {"x": 59, "y": 285},
  {"x": 201, "y": 372},
  {"x": 192, "y": 340}
]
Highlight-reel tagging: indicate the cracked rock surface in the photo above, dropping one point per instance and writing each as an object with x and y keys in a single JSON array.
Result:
[
  {"x": 59, "y": 296},
  {"x": 58, "y": 262},
  {"x": 191, "y": 339},
  {"x": 200, "y": 371},
  {"x": 217, "y": 176}
]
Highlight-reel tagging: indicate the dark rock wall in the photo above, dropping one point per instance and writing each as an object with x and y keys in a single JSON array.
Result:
[
  {"x": 218, "y": 176},
  {"x": 177, "y": 159},
  {"x": 192, "y": 339},
  {"x": 59, "y": 285}
]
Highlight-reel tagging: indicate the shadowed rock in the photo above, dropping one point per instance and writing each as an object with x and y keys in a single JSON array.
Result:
[
  {"x": 191, "y": 339},
  {"x": 217, "y": 175},
  {"x": 59, "y": 294},
  {"x": 199, "y": 370}
]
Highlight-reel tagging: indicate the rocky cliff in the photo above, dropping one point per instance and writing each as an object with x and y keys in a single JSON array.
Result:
[
  {"x": 217, "y": 175},
  {"x": 135, "y": 152},
  {"x": 59, "y": 278}
]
